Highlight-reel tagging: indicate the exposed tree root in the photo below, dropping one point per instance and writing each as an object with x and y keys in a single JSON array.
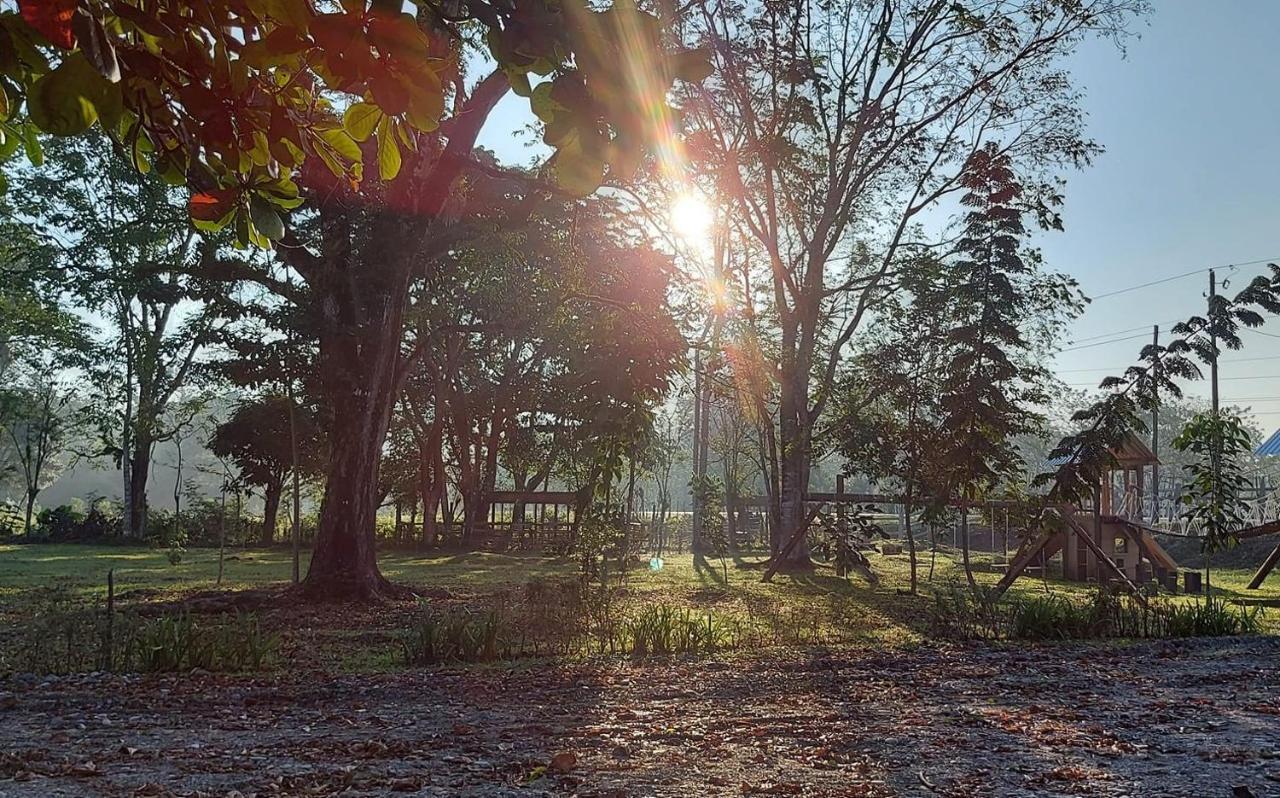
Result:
[{"x": 368, "y": 589}]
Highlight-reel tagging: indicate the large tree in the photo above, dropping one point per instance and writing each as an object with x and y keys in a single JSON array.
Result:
[
  {"x": 34, "y": 413},
  {"x": 886, "y": 419},
  {"x": 1004, "y": 311},
  {"x": 238, "y": 98},
  {"x": 535, "y": 328},
  {"x": 126, "y": 250},
  {"x": 834, "y": 130},
  {"x": 33, "y": 313}
]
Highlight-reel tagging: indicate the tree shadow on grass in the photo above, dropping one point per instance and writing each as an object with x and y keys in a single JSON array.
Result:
[{"x": 709, "y": 572}]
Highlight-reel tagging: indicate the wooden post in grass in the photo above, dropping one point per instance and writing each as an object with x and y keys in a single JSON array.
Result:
[{"x": 111, "y": 619}]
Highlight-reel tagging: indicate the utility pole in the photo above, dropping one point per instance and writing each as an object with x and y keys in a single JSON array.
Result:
[
  {"x": 1213, "y": 339},
  {"x": 1216, "y": 452},
  {"x": 1155, "y": 432}
]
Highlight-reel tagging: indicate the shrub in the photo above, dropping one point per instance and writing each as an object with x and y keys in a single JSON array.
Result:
[
  {"x": 1211, "y": 618},
  {"x": 590, "y": 622},
  {"x": 661, "y": 631},
  {"x": 460, "y": 636},
  {"x": 1105, "y": 614},
  {"x": 68, "y": 635},
  {"x": 600, "y": 531},
  {"x": 70, "y": 524},
  {"x": 181, "y": 642},
  {"x": 11, "y": 518}
]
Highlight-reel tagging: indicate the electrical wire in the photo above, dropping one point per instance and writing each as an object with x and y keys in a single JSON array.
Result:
[
  {"x": 1163, "y": 280},
  {"x": 1118, "y": 332},
  {"x": 1260, "y": 332},
  {"x": 1103, "y": 343},
  {"x": 1125, "y": 366}
]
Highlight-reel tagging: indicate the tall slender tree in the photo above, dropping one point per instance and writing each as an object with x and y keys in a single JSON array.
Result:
[
  {"x": 834, "y": 129},
  {"x": 126, "y": 248}
]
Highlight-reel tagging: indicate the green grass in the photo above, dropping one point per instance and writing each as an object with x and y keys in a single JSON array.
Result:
[{"x": 830, "y": 609}]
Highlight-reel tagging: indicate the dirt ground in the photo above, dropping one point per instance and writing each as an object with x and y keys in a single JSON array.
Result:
[{"x": 1187, "y": 719}]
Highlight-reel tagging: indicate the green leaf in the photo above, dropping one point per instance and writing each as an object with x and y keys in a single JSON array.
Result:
[
  {"x": 139, "y": 151},
  {"x": 426, "y": 103},
  {"x": 542, "y": 104},
  {"x": 31, "y": 145},
  {"x": 68, "y": 100},
  {"x": 266, "y": 219},
  {"x": 361, "y": 119},
  {"x": 57, "y": 102},
  {"x": 341, "y": 143},
  {"x": 388, "y": 151},
  {"x": 9, "y": 142},
  {"x": 519, "y": 82},
  {"x": 693, "y": 66},
  {"x": 576, "y": 170},
  {"x": 282, "y": 192},
  {"x": 295, "y": 13},
  {"x": 211, "y": 210}
]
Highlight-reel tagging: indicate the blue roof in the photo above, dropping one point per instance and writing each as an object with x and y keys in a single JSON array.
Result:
[{"x": 1271, "y": 448}]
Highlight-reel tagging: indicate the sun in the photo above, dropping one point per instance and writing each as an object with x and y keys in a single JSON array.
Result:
[{"x": 691, "y": 218}]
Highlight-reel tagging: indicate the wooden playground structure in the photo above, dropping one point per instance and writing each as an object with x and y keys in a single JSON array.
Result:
[
  {"x": 1116, "y": 539},
  {"x": 1111, "y": 540}
]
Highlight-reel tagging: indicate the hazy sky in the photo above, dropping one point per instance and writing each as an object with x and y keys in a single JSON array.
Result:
[{"x": 1190, "y": 118}]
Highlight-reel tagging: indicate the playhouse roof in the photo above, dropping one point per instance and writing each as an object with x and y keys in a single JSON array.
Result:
[
  {"x": 1271, "y": 448},
  {"x": 1132, "y": 452}
]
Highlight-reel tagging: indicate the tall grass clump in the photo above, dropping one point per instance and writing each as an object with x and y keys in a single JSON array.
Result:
[
  {"x": 956, "y": 613},
  {"x": 69, "y": 635}
]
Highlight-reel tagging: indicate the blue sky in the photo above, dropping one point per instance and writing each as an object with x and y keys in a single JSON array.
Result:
[
  {"x": 1190, "y": 179},
  {"x": 1190, "y": 118}
]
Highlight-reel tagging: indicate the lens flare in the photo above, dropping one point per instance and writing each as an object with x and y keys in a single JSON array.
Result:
[{"x": 691, "y": 219}]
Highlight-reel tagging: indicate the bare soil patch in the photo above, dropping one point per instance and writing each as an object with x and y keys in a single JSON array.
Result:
[{"x": 1188, "y": 719}]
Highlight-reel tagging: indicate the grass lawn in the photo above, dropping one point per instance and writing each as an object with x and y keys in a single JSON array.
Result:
[{"x": 818, "y": 606}]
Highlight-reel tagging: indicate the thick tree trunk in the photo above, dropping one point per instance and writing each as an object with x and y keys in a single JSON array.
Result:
[
  {"x": 344, "y": 564},
  {"x": 271, "y": 510},
  {"x": 139, "y": 471},
  {"x": 362, "y": 306},
  {"x": 359, "y": 365},
  {"x": 474, "y": 514},
  {"x": 795, "y": 483},
  {"x": 31, "y": 505}
]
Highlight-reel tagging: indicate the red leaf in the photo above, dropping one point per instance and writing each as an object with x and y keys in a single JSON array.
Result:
[
  {"x": 52, "y": 18},
  {"x": 210, "y": 206}
]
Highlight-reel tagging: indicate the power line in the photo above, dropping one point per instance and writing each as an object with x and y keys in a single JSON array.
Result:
[
  {"x": 1260, "y": 332},
  {"x": 1122, "y": 332},
  {"x": 1163, "y": 280},
  {"x": 1104, "y": 343},
  {"x": 1125, "y": 366}
]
